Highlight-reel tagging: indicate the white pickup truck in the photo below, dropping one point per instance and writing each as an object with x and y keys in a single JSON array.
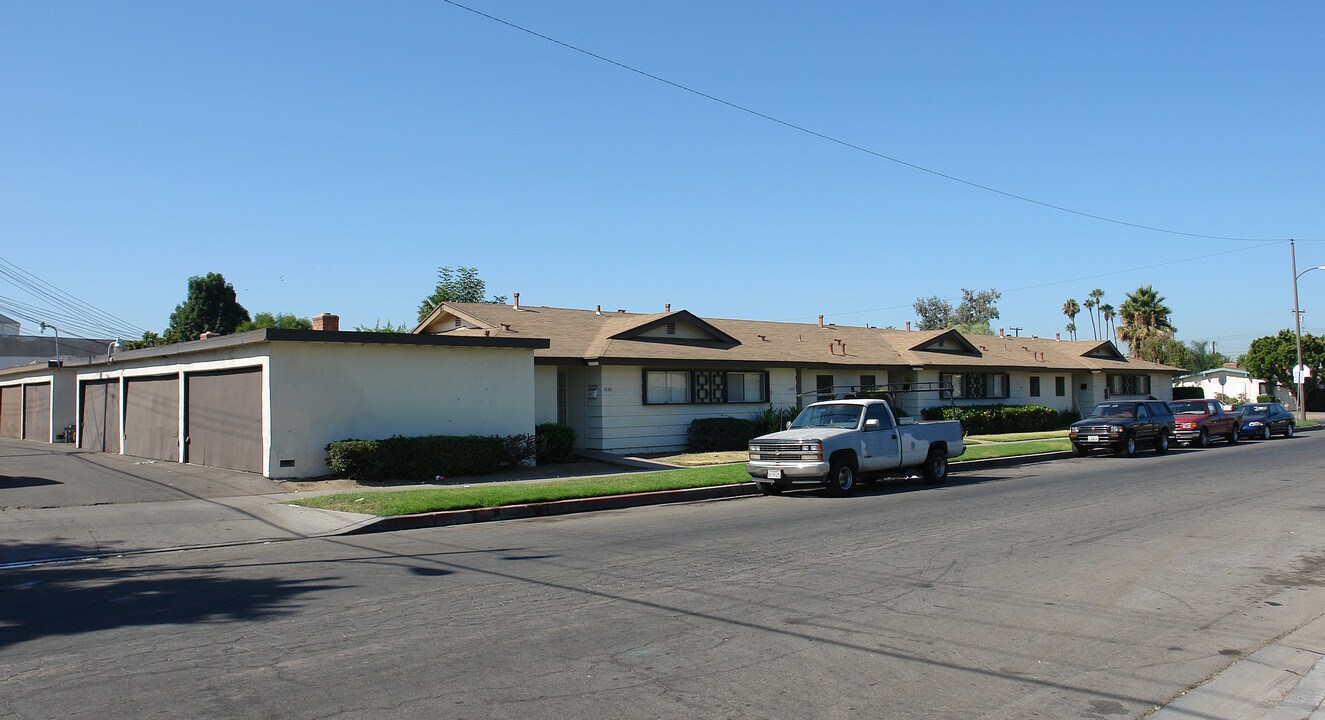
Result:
[{"x": 835, "y": 442}]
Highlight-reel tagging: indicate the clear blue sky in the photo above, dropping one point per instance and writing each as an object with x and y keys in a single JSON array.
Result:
[{"x": 330, "y": 156}]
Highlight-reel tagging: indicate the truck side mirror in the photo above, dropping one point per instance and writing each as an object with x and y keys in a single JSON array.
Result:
[
  {"x": 872, "y": 424},
  {"x": 787, "y": 426}
]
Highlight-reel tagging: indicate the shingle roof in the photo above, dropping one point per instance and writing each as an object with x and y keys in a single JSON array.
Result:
[{"x": 588, "y": 335}]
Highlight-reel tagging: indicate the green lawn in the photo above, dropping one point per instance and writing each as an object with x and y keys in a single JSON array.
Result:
[
  {"x": 1015, "y": 437},
  {"x": 994, "y": 450}
]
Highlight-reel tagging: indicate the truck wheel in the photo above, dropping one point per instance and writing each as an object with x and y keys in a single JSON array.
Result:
[
  {"x": 1204, "y": 438},
  {"x": 1127, "y": 448},
  {"x": 1232, "y": 436},
  {"x": 841, "y": 477},
  {"x": 935, "y": 469},
  {"x": 769, "y": 488},
  {"x": 1162, "y": 442},
  {"x": 1080, "y": 450}
]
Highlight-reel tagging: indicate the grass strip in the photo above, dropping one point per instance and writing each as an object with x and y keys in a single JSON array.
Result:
[
  {"x": 480, "y": 495},
  {"x": 1015, "y": 437},
  {"x": 995, "y": 450}
]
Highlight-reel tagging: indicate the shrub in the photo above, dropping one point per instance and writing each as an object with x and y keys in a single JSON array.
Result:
[
  {"x": 416, "y": 458},
  {"x": 1265, "y": 398},
  {"x": 997, "y": 419},
  {"x": 773, "y": 419},
  {"x": 555, "y": 441},
  {"x": 720, "y": 433},
  {"x": 1188, "y": 393}
]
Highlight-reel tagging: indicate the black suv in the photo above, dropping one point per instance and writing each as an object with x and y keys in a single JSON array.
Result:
[{"x": 1121, "y": 424}]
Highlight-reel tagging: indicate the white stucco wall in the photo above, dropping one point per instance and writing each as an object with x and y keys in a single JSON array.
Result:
[
  {"x": 61, "y": 380},
  {"x": 321, "y": 393},
  {"x": 545, "y": 393}
]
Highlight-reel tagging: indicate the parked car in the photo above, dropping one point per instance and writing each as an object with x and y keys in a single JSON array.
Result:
[
  {"x": 1200, "y": 420},
  {"x": 1121, "y": 425},
  {"x": 1261, "y": 420}
]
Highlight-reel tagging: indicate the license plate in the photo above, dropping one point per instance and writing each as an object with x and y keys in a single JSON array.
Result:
[
  {"x": 775, "y": 473},
  {"x": 1092, "y": 438}
]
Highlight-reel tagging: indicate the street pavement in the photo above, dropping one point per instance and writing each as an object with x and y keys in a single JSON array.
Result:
[{"x": 60, "y": 503}]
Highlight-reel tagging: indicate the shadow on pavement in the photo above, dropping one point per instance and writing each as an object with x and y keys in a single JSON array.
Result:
[{"x": 9, "y": 482}]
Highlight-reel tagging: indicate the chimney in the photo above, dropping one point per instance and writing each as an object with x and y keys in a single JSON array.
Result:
[
  {"x": 209, "y": 335},
  {"x": 1058, "y": 337},
  {"x": 908, "y": 326},
  {"x": 517, "y": 302},
  {"x": 598, "y": 311},
  {"x": 1000, "y": 332},
  {"x": 326, "y": 322},
  {"x": 821, "y": 321},
  {"x": 667, "y": 307}
]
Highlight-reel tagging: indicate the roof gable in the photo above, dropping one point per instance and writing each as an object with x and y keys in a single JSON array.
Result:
[
  {"x": 446, "y": 317},
  {"x": 950, "y": 343},
  {"x": 682, "y": 326},
  {"x": 1104, "y": 351}
]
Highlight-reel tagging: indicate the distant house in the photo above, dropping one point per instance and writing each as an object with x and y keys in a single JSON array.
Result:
[
  {"x": 632, "y": 383},
  {"x": 1235, "y": 383}
]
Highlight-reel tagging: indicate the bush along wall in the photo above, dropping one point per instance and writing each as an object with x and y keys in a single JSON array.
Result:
[
  {"x": 996, "y": 419},
  {"x": 556, "y": 443},
  {"x": 721, "y": 434},
  {"x": 416, "y": 458}
]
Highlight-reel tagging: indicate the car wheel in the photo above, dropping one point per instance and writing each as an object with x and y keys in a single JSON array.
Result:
[
  {"x": 1265, "y": 432},
  {"x": 1204, "y": 438},
  {"x": 1162, "y": 442},
  {"x": 841, "y": 477},
  {"x": 1080, "y": 450},
  {"x": 1128, "y": 446},
  {"x": 1232, "y": 437},
  {"x": 769, "y": 488},
  {"x": 935, "y": 469},
  {"x": 1288, "y": 431}
]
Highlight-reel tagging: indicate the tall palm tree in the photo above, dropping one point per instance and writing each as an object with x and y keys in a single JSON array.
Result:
[
  {"x": 1097, "y": 298},
  {"x": 1145, "y": 318},
  {"x": 1106, "y": 319},
  {"x": 1070, "y": 309},
  {"x": 1089, "y": 304}
]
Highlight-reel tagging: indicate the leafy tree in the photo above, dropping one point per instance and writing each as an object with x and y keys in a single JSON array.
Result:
[
  {"x": 284, "y": 321},
  {"x": 211, "y": 306},
  {"x": 1145, "y": 321},
  {"x": 1203, "y": 359},
  {"x": 1273, "y": 357},
  {"x": 379, "y": 326},
  {"x": 459, "y": 285},
  {"x": 1168, "y": 350},
  {"x": 150, "y": 339},
  {"x": 934, "y": 312},
  {"x": 1070, "y": 309},
  {"x": 972, "y": 316}
]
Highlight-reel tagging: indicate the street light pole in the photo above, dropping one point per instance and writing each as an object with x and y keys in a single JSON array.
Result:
[
  {"x": 45, "y": 325},
  {"x": 1299, "y": 375}
]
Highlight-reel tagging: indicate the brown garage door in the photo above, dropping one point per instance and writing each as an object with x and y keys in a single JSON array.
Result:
[
  {"x": 151, "y": 417},
  {"x": 11, "y": 411},
  {"x": 224, "y": 419},
  {"x": 99, "y": 425},
  {"x": 37, "y": 412}
]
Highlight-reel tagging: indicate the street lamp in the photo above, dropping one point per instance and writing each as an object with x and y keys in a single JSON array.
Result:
[
  {"x": 45, "y": 325},
  {"x": 1299, "y": 373}
]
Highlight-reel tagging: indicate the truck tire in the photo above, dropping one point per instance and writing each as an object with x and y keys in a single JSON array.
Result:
[
  {"x": 935, "y": 469},
  {"x": 769, "y": 488},
  {"x": 1127, "y": 448},
  {"x": 1080, "y": 450},
  {"x": 1204, "y": 438},
  {"x": 841, "y": 477},
  {"x": 1162, "y": 442}
]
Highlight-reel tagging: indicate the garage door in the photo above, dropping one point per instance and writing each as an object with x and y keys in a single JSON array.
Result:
[
  {"x": 99, "y": 425},
  {"x": 37, "y": 412},
  {"x": 224, "y": 419},
  {"x": 11, "y": 411},
  {"x": 151, "y": 417}
]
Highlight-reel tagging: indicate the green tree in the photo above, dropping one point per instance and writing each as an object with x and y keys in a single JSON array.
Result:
[
  {"x": 150, "y": 339},
  {"x": 461, "y": 285},
  {"x": 211, "y": 306},
  {"x": 934, "y": 312},
  {"x": 972, "y": 316},
  {"x": 284, "y": 321},
  {"x": 1169, "y": 351},
  {"x": 387, "y": 327},
  {"x": 1106, "y": 322},
  {"x": 1096, "y": 304},
  {"x": 1070, "y": 309},
  {"x": 1273, "y": 357},
  {"x": 1203, "y": 359},
  {"x": 1145, "y": 321}
]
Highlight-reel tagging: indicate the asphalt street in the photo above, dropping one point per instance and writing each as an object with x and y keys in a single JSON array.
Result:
[{"x": 1093, "y": 588}]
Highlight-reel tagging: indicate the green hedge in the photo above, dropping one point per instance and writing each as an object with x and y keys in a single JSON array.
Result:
[
  {"x": 416, "y": 458},
  {"x": 556, "y": 443},
  {"x": 721, "y": 434},
  {"x": 1265, "y": 398},
  {"x": 1188, "y": 393},
  {"x": 997, "y": 419}
]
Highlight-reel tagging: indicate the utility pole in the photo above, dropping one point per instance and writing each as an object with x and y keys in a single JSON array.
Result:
[{"x": 1016, "y": 331}]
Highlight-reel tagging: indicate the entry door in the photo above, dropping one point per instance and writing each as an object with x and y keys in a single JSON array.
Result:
[
  {"x": 224, "y": 419},
  {"x": 151, "y": 417},
  {"x": 99, "y": 425},
  {"x": 37, "y": 412}
]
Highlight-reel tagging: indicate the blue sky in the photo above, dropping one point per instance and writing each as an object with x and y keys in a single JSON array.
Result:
[{"x": 330, "y": 156}]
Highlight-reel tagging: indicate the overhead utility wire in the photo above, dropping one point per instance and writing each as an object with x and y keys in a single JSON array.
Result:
[
  {"x": 851, "y": 145},
  {"x": 100, "y": 321},
  {"x": 35, "y": 315}
]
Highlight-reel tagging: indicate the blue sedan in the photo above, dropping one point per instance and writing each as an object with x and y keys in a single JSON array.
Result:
[{"x": 1261, "y": 420}]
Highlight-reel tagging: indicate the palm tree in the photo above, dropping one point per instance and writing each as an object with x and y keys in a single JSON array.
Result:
[
  {"x": 1090, "y": 307},
  {"x": 1145, "y": 319},
  {"x": 1070, "y": 309},
  {"x": 1106, "y": 319},
  {"x": 1097, "y": 297}
]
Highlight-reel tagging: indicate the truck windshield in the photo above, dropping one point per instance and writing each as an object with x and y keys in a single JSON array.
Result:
[
  {"x": 1191, "y": 408},
  {"x": 836, "y": 416},
  {"x": 1114, "y": 410}
]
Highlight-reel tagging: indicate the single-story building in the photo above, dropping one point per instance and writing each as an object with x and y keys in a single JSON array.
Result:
[
  {"x": 269, "y": 401},
  {"x": 1235, "y": 383},
  {"x": 632, "y": 383}
]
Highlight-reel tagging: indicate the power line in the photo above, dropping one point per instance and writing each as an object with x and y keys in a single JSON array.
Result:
[
  {"x": 78, "y": 315},
  {"x": 851, "y": 145}
]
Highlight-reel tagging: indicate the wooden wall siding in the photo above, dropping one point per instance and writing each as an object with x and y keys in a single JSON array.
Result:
[
  {"x": 37, "y": 412},
  {"x": 11, "y": 411},
  {"x": 99, "y": 427},
  {"x": 151, "y": 417}
]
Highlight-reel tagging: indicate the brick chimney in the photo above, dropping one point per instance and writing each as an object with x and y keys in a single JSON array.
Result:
[
  {"x": 1000, "y": 332},
  {"x": 908, "y": 326},
  {"x": 208, "y": 335},
  {"x": 326, "y": 322}
]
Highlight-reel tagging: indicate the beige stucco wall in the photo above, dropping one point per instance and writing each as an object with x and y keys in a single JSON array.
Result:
[
  {"x": 321, "y": 393},
  {"x": 63, "y": 412}
]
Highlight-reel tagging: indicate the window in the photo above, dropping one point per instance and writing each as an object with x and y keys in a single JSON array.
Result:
[
  {"x": 879, "y": 412},
  {"x": 666, "y": 386},
  {"x": 823, "y": 384},
  {"x": 1035, "y": 386},
  {"x": 867, "y": 382},
  {"x": 746, "y": 387},
  {"x": 1060, "y": 386},
  {"x": 1129, "y": 384},
  {"x": 975, "y": 386}
]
